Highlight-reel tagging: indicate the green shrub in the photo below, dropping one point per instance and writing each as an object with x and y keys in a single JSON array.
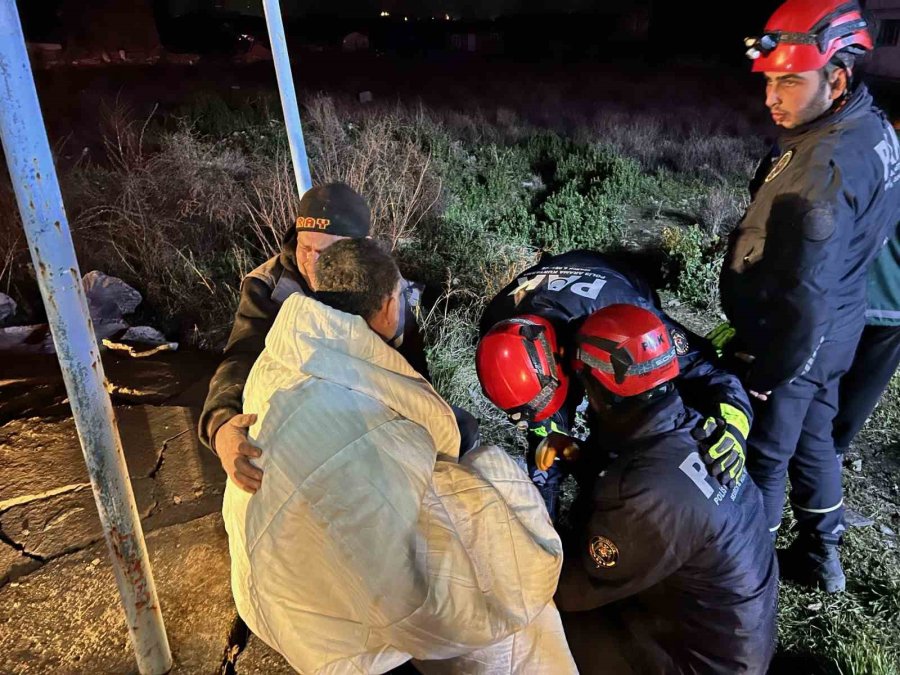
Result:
[
  {"x": 576, "y": 218},
  {"x": 698, "y": 261}
]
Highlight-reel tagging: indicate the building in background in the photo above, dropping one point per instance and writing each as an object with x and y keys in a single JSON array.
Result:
[{"x": 885, "y": 60}]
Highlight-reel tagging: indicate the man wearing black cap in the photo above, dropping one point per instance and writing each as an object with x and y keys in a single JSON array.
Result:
[{"x": 328, "y": 213}]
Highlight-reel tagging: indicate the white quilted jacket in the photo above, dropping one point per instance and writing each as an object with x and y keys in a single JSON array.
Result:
[{"x": 368, "y": 543}]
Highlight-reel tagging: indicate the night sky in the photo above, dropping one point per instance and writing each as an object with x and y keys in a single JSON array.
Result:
[{"x": 700, "y": 26}]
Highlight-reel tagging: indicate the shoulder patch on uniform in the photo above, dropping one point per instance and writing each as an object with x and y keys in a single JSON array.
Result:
[
  {"x": 603, "y": 552},
  {"x": 780, "y": 166},
  {"x": 679, "y": 339}
]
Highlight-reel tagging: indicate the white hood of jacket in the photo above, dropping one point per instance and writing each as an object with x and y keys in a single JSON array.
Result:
[{"x": 367, "y": 542}]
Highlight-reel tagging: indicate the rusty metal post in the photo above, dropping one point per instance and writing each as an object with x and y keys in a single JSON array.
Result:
[
  {"x": 50, "y": 242},
  {"x": 292, "y": 123}
]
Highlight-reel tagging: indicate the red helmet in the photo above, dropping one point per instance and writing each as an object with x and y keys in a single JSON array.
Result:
[
  {"x": 517, "y": 367},
  {"x": 627, "y": 349},
  {"x": 804, "y": 34}
]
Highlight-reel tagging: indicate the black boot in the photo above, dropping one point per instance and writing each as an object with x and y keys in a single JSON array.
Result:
[{"x": 808, "y": 561}]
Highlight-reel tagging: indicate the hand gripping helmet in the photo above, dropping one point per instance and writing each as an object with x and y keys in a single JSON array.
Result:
[
  {"x": 627, "y": 349},
  {"x": 517, "y": 367},
  {"x": 804, "y": 35}
]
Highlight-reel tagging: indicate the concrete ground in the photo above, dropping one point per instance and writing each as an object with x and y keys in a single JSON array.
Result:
[{"x": 59, "y": 606}]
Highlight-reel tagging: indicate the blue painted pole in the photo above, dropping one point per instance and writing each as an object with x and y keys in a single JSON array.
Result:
[
  {"x": 288, "y": 95},
  {"x": 50, "y": 242}
]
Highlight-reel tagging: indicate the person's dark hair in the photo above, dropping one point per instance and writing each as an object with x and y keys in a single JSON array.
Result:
[{"x": 356, "y": 276}]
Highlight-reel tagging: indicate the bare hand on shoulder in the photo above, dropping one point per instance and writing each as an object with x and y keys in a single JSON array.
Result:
[{"x": 235, "y": 452}]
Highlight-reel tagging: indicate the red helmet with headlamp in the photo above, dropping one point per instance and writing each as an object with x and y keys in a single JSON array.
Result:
[{"x": 804, "y": 35}]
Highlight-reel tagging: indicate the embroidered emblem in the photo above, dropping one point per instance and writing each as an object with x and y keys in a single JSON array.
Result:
[
  {"x": 681, "y": 342},
  {"x": 780, "y": 166},
  {"x": 603, "y": 552},
  {"x": 312, "y": 223}
]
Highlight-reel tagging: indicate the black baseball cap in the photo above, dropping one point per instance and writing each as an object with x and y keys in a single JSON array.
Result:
[{"x": 334, "y": 208}]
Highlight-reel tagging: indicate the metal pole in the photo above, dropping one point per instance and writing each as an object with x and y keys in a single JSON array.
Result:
[
  {"x": 288, "y": 95},
  {"x": 50, "y": 242}
]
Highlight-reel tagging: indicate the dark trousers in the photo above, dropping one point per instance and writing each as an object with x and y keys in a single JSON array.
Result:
[
  {"x": 469, "y": 432},
  {"x": 792, "y": 434},
  {"x": 876, "y": 361}
]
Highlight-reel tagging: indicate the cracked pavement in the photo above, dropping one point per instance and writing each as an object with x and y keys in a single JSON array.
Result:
[{"x": 59, "y": 607}]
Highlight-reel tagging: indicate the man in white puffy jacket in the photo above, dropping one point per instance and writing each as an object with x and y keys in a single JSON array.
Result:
[{"x": 370, "y": 542}]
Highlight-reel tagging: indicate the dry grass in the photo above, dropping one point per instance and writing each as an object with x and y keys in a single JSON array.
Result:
[
  {"x": 273, "y": 204},
  {"x": 13, "y": 248},
  {"x": 382, "y": 156},
  {"x": 166, "y": 217},
  {"x": 701, "y": 148},
  {"x": 182, "y": 216}
]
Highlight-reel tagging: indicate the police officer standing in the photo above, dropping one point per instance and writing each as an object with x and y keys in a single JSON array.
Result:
[{"x": 794, "y": 280}]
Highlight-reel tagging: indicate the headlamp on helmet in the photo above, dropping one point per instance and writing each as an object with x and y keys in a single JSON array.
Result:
[{"x": 804, "y": 35}]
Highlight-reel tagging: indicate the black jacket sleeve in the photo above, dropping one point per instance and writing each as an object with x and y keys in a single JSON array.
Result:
[
  {"x": 412, "y": 343},
  {"x": 805, "y": 251},
  {"x": 255, "y": 315},
  {"x": 701, "y": 383}
]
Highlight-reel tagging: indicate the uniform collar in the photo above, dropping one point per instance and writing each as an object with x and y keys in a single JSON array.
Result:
[
  {"x": 859, "y": 102},
  {"x": 657, "y": 419}
]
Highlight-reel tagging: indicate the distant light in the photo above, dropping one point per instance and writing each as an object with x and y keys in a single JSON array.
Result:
[
  {"x": 385, "y": 14},
  {"x": 446, "y": 17},
  {"x": 406, "y": 18}
]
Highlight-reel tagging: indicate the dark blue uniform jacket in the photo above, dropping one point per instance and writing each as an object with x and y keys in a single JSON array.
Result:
[
  {"x": 795, "y": 273},
  {"x": 565, "y": 289},
  {"x": 686, "y": 567}
]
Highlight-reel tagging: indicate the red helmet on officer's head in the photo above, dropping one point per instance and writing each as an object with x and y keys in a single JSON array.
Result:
[
  {"x": 804, "y": 35},
  {"x": 518, "y": 370},
  {"x": 627, "y": 349}
]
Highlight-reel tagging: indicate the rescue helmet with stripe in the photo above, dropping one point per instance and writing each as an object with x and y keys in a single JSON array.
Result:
[
  {"x": 626, "y": 349},
  {"x": 518, "y": 367},
  {"x": 804, "y": 35}
]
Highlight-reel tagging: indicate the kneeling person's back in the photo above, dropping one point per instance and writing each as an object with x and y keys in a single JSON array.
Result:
[
  {"x": 682, "y": 569},
  {"x": 368, "y": 544}
]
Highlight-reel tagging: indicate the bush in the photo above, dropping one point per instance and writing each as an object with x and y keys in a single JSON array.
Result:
[
  {"x": 383, "y": 156},
  {"x": 576, "y": 218},
  {"x": 185, "y": 207},
  {"x": 698, "y": 261}
]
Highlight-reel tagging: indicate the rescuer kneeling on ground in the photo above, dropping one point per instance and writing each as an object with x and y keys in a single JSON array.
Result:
[
  {"x": 527, "y": 332},
  {"x": 682, "y": 567}
]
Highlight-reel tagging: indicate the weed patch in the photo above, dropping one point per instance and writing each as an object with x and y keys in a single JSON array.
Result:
[{"x": 697, "y": 259}]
